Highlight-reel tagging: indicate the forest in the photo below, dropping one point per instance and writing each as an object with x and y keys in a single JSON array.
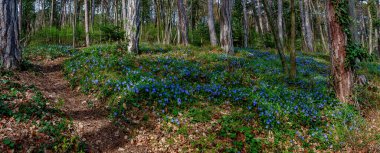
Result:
[{"x": 189, "y": 76}]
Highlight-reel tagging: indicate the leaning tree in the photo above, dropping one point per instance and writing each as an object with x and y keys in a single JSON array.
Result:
[{"x": 9, "y": 35}]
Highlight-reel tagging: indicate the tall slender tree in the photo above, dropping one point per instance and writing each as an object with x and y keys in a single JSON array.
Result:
[
  {"x": 293, "y": 66},
  {"x": 86, "y": 23},
  {"x": 245, "y": 23},
  {"x": 280, "y": 21},
  {"x": 211, "y": 23},
  {"x": 133, "y": 25},
  {"x": 183, "y": 25},
  {"x": 342, "y": 75},
  {"x": 226, "y": 40},
  {"x": 353, "y": 25},
  {"x": 10, "y": 54},
  {"x": 273, "y": 28}
]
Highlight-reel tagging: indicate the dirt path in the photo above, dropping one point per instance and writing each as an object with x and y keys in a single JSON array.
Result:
[{"x": 90, "y": 118}]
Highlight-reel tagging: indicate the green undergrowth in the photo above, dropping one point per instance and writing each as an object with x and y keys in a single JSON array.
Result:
[
  {"x": 36, "y": 126},
  {"x": 268, "y": 113}
]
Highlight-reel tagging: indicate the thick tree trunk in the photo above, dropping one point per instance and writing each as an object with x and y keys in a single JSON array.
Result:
[
  {"x": 182, "y": 22},
  {"x": 86, "y": 23},
  {"x": 245, "y": 23},
  {"x": 226, "y": 40},
  {"x": 274, "y": 31},
  {"x": 293, "y": 66},
  {"x": 280, "y": 21},
  {"x": 9, "y": 35},
  {"x": 211, "y": 23},
  {"x": 133, "y": 25},
  {"x": 342, "y": 76}
]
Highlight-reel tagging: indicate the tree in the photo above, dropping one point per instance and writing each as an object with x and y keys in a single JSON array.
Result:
[
  {"x": 124, "y": 16},
  {"x": 342, "y": 75},
  {"x": 9, "y": 35},
  {"x": 74, "y": 22},
  {"x": 182, "y": 23},
  {"x": 293, "y": 66},
  {"x": 280, "y": 21},
  {"x": 86, "y": 23},
  {"x": 226, "y": 40},
  {"x": 279, "y": 44},
  {"x": 51, "y": 12},
  {"x": 245, "y": 23},
  {"x": 211, "y": 23},
  {"x": 306, "y": 25},
  {"x": 133, "y": 25}
]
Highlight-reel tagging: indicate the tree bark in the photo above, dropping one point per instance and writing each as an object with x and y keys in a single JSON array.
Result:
[
  {"x": 183, "y": 23},
  {"x": 293, "y": 66},
  {"x": 342, "y": 76},
  {"x": 280, "y": 21},
  {"x": 74, "y": 22},
  {"x": 133, "y": 25},
  {"x": 20, "y": 16},
  {"x": 93, "y": 13},
  {"x": 211, "y": 23},
  {"x": 10, "y": 58},
  {"x": 259, "y": 14},
  {"x": 124, "y": 16},
  {"x": 370, "y": 31},
  {"x": 245, "y": 23},
  {"x": 226, "y": 40},
  {"x": 86, "y": 23},
  {"x": 52, "y": 13}
]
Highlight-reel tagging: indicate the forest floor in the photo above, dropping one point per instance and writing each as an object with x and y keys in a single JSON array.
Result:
[
  {"x": 75, "y": 84},
  {"x": 90, "y": 119}
]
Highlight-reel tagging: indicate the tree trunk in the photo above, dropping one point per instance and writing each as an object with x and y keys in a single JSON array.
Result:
[
  {"x": 52, "y": 13},
  {"x": 280, "y": 21},
  {"x": 353, "y": 25},
  {"x": 370, "y": 31},
  {"x": 259, "y": 14},
  {"x": 74, "y": 22},
  {"x": 63, "y": 12},
  {"x": 342, "y": 76},
  {"x": 133, "y": 25},
  {"x": 293, "y": 66},
  {"x": 211, "y": 23},
  {"x": 124, "y": 14},
  {"x": 245, "y": 23},
  {"x": 86, "y": 23},
  {"x": 306, "y": 25},
  {"x": 10, "y": 58},
  {"x": 43, "y": 13},
  {"x": 93, "y": 12},
  {"x": 182, "y": 23},
  {"x": 20, "y": 16},
  {"x": 226, "y": 40},
  {"x": 273, "y": 28}
]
